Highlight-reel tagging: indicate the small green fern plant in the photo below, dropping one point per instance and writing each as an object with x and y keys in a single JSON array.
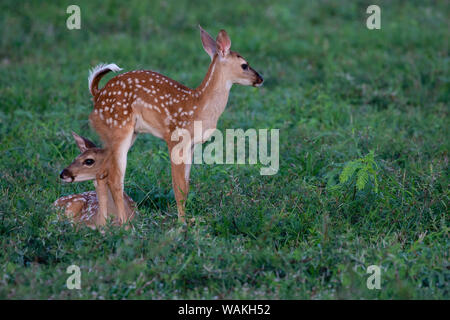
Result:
[{"x": 363, "y": 170}]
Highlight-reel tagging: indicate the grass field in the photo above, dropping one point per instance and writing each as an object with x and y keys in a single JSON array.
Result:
[{"x": 336, "y": 91}]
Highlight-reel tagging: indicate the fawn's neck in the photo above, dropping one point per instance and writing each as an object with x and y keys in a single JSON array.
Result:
[{"x": 212, "y": 93}]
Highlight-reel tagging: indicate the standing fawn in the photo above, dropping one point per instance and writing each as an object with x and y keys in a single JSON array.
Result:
[
  {"x": 147, "y": 102},
  {"x": 91, "y": 164}
]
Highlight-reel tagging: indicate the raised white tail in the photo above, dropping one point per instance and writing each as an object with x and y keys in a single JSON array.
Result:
[{"x": 96, "y": 74}]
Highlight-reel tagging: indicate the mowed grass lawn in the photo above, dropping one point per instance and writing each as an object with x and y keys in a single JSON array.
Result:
[{"x": 335, "y": 90}]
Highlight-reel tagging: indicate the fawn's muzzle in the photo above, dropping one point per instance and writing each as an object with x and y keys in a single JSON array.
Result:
[
  {"x": 259, "y": 80},
  {"x": 66, "y": 176}
]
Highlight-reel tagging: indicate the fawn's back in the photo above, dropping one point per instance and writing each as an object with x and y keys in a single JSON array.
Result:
[{"x": 145, "y": 100}]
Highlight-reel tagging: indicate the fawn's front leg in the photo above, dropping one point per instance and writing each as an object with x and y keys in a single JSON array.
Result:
[
  {"x": 116, "y": 171},
  {"x": 180, "y": 188},
  {"x": 180, "y": 182},
  {"x": 115, "y": 184}
]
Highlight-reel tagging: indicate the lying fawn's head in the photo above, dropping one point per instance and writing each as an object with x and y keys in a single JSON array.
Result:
[
  {"x": 238, "y": 69},
  {"x": 88, "y": 165}
]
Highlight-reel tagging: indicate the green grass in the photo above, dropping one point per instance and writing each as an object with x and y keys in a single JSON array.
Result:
[{"x": 336, "y": 91}]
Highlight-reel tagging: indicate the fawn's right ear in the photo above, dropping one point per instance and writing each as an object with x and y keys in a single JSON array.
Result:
[
  {"x": 223, "y": 43},
  {"x": 83, "y": 143},
  {"x": 209, "y": 44}
]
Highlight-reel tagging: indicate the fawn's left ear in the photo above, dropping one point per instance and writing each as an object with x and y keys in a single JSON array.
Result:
[
  {"x": 208, "y": 43},
  {"x": 223, "y": 43},
  {"x": 83, "y": 143}
]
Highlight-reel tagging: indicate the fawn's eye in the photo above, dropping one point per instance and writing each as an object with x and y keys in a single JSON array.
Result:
[
  {"x": 244, "y": 66},
  {"x": 89, "y": 162}
]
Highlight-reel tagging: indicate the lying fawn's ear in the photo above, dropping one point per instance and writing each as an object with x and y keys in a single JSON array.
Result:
[
  {"x": 83, "y": 143},
  {"x": 223, "y": 43},
  {"x": 208, "y": 43}
]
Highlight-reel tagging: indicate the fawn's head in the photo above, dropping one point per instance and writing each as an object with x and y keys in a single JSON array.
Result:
[
  {"x": 237, "y": 68},
  {"x": 88, "y": 165}
]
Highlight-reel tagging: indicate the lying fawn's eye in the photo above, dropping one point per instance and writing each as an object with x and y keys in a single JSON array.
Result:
[
  {"x": 89, "y": 162},
  {"x": 244, "y": 66}
]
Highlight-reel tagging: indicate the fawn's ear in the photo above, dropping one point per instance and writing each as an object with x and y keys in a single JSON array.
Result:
[
  {"x": 208, "y": 43},
  {"x": 83, "y": 143},
  {"x": 223, "y": 43}
]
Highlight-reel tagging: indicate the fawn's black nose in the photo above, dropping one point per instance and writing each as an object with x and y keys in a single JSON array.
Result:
[
  {"x": 64, "y": 174},
  {"x": 259, "y": 80}
]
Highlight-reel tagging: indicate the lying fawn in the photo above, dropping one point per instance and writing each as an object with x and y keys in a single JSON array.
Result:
[
  {"x": 91, "y": 164},
  {"x": 147, "y": 102}
]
